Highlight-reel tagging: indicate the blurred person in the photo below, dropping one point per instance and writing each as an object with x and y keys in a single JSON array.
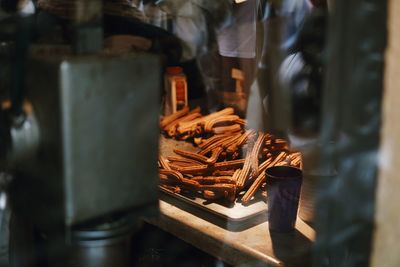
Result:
[
  {"x": 194, "y": 23},
  {"x": 188, "y": 24},
  {"x": 301, "y": 76},
  {"x": 260, "y": 35},
  {"x": 302, "y": 72},
  {"x": 237, "y": 45},
  {"x": 279, "y": 27}
]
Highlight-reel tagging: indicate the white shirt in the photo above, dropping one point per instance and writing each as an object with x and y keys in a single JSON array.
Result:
[{"x": 239, "y": 38}]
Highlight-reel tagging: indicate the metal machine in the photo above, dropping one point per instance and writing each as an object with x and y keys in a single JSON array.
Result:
[{"x": 80, "y": 138}]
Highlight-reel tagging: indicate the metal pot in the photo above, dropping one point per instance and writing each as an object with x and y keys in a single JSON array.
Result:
[{"x": 99, "y": 246}]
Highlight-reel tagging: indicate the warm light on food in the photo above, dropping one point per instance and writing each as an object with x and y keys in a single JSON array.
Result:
[{"x": 228, "y": 162}]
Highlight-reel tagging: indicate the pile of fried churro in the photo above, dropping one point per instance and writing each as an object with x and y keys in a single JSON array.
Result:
[{"x": 231, "y": 161}]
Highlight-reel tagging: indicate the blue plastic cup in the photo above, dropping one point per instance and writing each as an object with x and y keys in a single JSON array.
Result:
[{"x": 283, "y": 194}]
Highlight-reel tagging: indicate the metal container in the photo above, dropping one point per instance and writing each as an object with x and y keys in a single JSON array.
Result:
[
  {"x": 101, "y": 248},
  {"x": 98, "y": 123},
  {"x": 313, "y": 173},
  {"x": 98, "y": 246}
]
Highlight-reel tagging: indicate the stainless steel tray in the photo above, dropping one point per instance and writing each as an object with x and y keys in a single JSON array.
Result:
[{"x": 234, "y": 212}]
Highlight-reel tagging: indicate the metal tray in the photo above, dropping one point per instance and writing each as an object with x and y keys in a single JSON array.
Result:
[
  {"x": 235, "y": 212},
  {"x": 256, "y": 210}
]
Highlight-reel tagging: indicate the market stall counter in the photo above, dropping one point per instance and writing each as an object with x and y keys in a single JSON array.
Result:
[
  {"x": 212, "y": 171},
  {"x": 253, "y": 246}
]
